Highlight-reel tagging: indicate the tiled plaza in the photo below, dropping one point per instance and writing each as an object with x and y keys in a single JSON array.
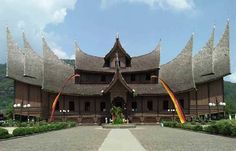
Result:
[{"x": 94, "y": 138}]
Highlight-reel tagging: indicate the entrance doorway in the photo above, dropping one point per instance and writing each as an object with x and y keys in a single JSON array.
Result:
[{"x": 118, "y": 102}]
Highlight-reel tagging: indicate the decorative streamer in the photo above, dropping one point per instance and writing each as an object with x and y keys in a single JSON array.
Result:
[
  {"x": 58, "y": 95},
  {"x": 178, "y": 108}
]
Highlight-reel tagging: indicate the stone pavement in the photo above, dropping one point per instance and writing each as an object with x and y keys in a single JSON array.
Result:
[
  {"x": 121, "y": 140},
  {"x": 94, "y": 138}
]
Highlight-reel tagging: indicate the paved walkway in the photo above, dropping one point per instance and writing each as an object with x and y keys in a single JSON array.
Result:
[
  {"x": 121, "y": 140},
  {"x": 94, "y": 138}
]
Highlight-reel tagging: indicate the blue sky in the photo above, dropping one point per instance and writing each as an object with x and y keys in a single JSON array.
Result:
[{"x": 140, "y": 24}]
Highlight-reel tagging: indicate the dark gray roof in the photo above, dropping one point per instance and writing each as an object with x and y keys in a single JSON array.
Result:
[
  {"x": 117, "y": 48},
  {"x": 16, "y": 63},
  {"x": 33, "y": 64},
  {"x": 213, "y": 63},
  {"x": 87, "y": 62},
  {"x": 178, "y": 72},
  {"x": 50, "y": 72},
  {"x": 55, "y": 71}
]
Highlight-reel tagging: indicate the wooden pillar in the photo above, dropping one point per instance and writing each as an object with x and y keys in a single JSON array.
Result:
[
  {"x": 158, "y": 106},
  {"x": 95, "y": 107},
  {"x": 188, "y": 103},
  {"x": 208, "y": 94},
  {"x": 28, "y": 93},
  {"x": 196, "y": 98},
  {"x": 49, "y": 104},
  {"x": 142, "y": 109},
  {"x": 79, "y": 104}
]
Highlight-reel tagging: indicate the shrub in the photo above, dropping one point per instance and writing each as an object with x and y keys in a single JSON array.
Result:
[
  {"x": 196, "y": 128},
  {"x": 8, "y": 123},
  {"x": 5, "y": 125},
  {"x": 224, "y": 127},
  {"x": 4, "y": 133},
  {"x": 40, "y": 128},
  {"x": 170, "y": 123},
  {"x": 22, "y": 124},
  {"x": 71, "y": 124},
  {"x": 118, "y": 121},
  {"x": 186, "y": 126},
  {"x": 19, "y": 131},
  {"x": 211, "y": 129},
  {"x": 42, "y": 123},
  {"x": 233, "y": 130}
]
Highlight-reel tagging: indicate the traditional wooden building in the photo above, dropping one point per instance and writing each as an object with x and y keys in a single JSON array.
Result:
[{"x": 119, "y": 79}]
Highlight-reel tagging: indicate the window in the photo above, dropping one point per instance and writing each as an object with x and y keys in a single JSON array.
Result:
[
  {"x": 107, "y": 63},
  {"x": 103, "y": 107},
  {"x": 77, "y": 80},
  {"x": 165, "y": 105},
  {"x": 72, "y": 106},
  {"x": 128, "y": 64},
  {"x": 87, "y": 106},
  {"x": 134, "y": 106},
  {"x": 148, "y": 77},
  {"x": 119, "y": 63},
  {"x": 132, "y": 77},
  {"x": 57, "y": 105},
  {"x": 181, "y": 101},
  {"x": 103, "y": 78},
  {"x": 149, "y": 106}
]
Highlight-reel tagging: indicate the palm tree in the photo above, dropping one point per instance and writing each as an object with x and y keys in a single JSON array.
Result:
[{"x": 117, "y": 112}]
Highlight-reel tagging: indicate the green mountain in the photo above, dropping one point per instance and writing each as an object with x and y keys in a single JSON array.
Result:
[{"x": 7, "y": 91}]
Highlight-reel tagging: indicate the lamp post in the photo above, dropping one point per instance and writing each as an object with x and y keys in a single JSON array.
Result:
[
  {"x": 223, "y": 104},
  {"x": 18, "y": 105},
  {"x": 211, "y": 105},
  {"x": 173, "y": 113},
  {"x": 64, "y": 113},
  {"x": 27, "y": 106}
]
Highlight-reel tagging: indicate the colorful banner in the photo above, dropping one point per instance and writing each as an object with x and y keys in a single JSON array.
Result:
[
  {"x": 58, "y": 95},
  {"x": 178, "y": 108}
]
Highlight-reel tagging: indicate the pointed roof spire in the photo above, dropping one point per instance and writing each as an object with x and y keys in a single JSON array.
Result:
[
  {"x": 158, "y": 47},
  {"x": 117, "y": 62},
  {"x": 117, "y": 35},
  {"x": 76, "y": 44},
  {"x": 117, "y": 47},
  {"x": 26, "y": 43}
]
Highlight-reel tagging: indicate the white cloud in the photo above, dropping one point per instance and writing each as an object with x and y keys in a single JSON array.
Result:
[
  {"x": 59, "y": 52},
  {"x": 178, "y": 5},
  {"x": 32, "y": 16},
  {"x": 232, "y": 77}
]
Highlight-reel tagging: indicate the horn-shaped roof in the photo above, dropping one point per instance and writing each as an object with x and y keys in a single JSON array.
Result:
[
  {"x": 178, "y": 73},
  {"x": 15, "y": 59},
  {"x": 33, "y": 63},
  {"x": 203, "y": 60},
  {"x": 220, "y": 59},
  {"x": 55, "y": 71},
  {"x": 221, "y": 54},
  {"x": 117, "y": 48},
  {"x": 150, "y": 61}
]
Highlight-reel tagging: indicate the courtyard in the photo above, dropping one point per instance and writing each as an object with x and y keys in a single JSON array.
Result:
[{"x": 94, "y": 138}]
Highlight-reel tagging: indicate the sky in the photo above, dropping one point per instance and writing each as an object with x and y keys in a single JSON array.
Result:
[{"x": 140, "y": 24}]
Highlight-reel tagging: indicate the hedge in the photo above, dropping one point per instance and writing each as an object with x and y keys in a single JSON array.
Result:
[
  {"x": 223, "y": 127},
  {"x": 4, "y": 133},
  {"x": 40, "y": 128}
]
